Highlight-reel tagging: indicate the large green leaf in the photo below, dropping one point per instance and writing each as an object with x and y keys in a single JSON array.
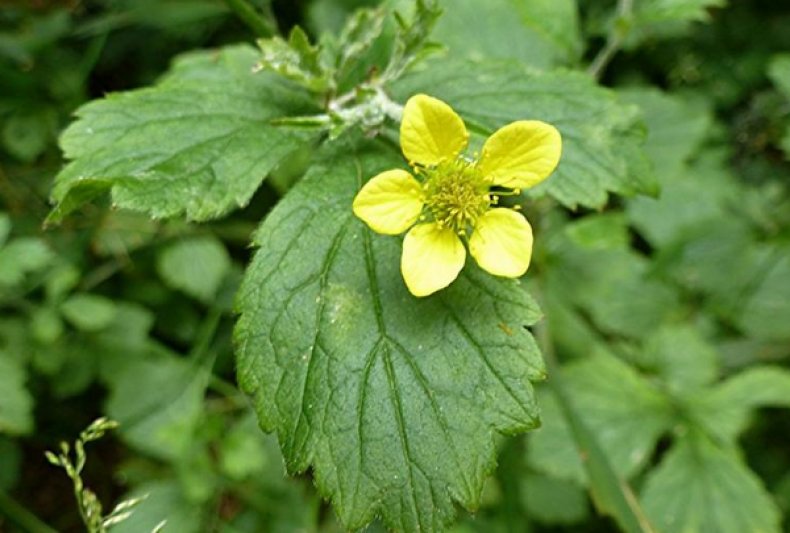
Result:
[
  {"x": 199, "y": 143},
  {"x": 602, "y": 138},
  {"x": 725, "y": 410},
  {"x": 393, "y": 400},
  {"x": 621, "y": 409},
  {"x": 543, "y": 33},
  {"x": 702, "y": 488}
]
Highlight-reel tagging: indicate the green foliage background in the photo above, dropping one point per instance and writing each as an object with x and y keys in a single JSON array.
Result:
[{"x": 173, "y": 224}]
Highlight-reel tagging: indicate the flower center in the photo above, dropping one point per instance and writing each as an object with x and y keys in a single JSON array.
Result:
[{"x": 456, "y": 194}]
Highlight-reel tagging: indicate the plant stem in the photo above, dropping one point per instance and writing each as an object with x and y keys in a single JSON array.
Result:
[
  {"x": 263, "y": 26},
  {"x": 614, "y": 40},
  {"x": 19, "y": 515}
]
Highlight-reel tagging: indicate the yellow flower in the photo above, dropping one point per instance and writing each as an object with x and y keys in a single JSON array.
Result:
[{"x": 456, "y": 197}]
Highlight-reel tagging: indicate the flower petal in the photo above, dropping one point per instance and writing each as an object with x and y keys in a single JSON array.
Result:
[
  {"x": 521, "y": 154},
  {"x": 431, "y": 131},
  {"x": 501, "y": 242},
  {"x": 432, "y": 258},
  {"x": 390, "y": 202}
]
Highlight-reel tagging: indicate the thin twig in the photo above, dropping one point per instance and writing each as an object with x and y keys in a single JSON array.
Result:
[
  {"x": 262, "y": 24},
  {"x": 614, "y": 40}
]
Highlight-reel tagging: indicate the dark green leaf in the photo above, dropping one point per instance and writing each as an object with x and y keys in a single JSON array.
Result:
[
  {"x": 198, "y": 144},
  {"x": 392, "y": 399}
]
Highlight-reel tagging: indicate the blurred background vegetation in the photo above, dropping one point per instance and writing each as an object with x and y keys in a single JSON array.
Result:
[{"x": 115, "y": 314}]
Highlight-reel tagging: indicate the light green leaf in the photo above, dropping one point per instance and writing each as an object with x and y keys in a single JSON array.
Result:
[
  {"x": 553, "y": 501},
  {"x": 601, "y": 137},
  {"x": 691, "y": 196},
  {"x": 542, "y": 33},
  {"x": 676, "y": 126},
  {"x": 5, "y": 228},
  {"x": 702, "y": 488},
  {"x": 163, "y": 501},
  {"x": 16, "y": 402},
  {"x": 158, "y": 403},
  {"x": 88, "y": 312},
  {"x": 22, "y": 256},
  {"x": 725, "y": 410},
  {"x": 622, "y": 410},
  {"x": 766, "y": 312},
  {"x": 615, "y": 286},
  {"x": 392, "y": 399},
  {"x": 297, "y": 60},
  {"x": 199, "y": 143},
  {"x": 196, "y": 266},
  {"x": 680, "y": 357},
  {"x": 665, "y": 19}
]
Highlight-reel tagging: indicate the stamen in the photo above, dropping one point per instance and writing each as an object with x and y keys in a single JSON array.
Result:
[{"x": 456, "y": 194}]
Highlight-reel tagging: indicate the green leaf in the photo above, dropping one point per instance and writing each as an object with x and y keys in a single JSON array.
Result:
[
  {"x": 680, "y": 357},
  {"x": 392, "y": 399},
  {"x": 766, "y": 312},
  {"x": 5, "y": 228},
  {"x": 725, "y": 410},
  {"x": 553, "y": 501},
  {"x": 22, "y": 256},
  {"x": 676, "y": 126},
  {"x": 158, "y": 403},
  {"x": 16, "y": 402},
  {"x": 615, "y": 286},
  {"x": 601, "y": 137},
  {"x": 88, "y": 312},
  {"x": 297, "y": 60},
  {"x": 701, "y": 487},
  {"x": 620, "y": 408},
  {"x": 779, "y": 72},
  {"x": 163, "y": 501},
  {"x": 199, "y": 143},
  {"x": 542, "y": 33},
  {"x": 691, "y": 196},
  {"x": 664, "y": 19},
  {"x": 196, "y": 266}
]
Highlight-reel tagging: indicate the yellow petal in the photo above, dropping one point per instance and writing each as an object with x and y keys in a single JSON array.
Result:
[
  {"x": 431, "y": 131},
  {"x": 501, "y": 243},
  {"x": 432, "y": 258},
  {"x": 390, "y": 202},
  {"x": 521, "y": 154}
]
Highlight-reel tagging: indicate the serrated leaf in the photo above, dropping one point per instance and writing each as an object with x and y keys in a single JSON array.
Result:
[
  {"x": 297, "y": 60},
  {"x": 196, "y": 266},
  {"x": 542, "y": 33},
  {"x": 601, "y": 137},
  {"x": 621, "y": 409},
  {"x": 703, "y": 488},
  {"x": 16, "y": 402},
  {"x": 199, "y": 143},
  {"x": 391, "y": 399}
]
